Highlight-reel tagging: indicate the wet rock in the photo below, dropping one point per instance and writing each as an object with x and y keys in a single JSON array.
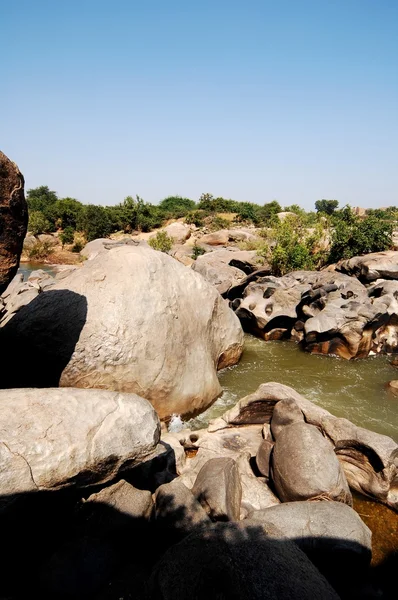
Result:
[{"x": 218, "y": 489}]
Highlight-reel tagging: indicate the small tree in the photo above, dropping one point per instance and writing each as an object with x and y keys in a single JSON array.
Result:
[
  {"x": 161, "y": 241},
  {"x": 38, "y": 223},
  {"x": 326, "y": 206},
  {"x": 94, "y": 222},
  {"x": 67, "y": 236}
]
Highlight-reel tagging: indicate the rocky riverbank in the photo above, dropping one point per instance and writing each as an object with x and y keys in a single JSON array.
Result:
[{"x": 98, "y": 500}]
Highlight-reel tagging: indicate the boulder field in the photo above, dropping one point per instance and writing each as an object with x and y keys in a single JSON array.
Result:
[
  {"x": 328, "y": 312},
  {"x": 130, "y": 320},
  {"x": 102, "y": 510}
]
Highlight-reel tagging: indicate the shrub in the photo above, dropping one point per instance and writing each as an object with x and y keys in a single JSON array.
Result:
[
  {"x": 40, "y": 251},
  {"x": 38, "y": 223},
  {"x": 196, "y": 217},
  {"x": 67, "y": 236},
  {"x": 353, "y": 236},
  {"x": 218, "y": 223},
  {"x": 197, "y": 251},
  {"x": 78, "y": 246},
  {"x": 94, "y": 222},
  {"x": 176, "y": 207},
  {"x": 162, "y": 242}
]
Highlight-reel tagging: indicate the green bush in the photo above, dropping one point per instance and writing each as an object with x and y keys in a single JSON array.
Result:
[
  {"x": 196, "y": 217},
  {"x": 218, "y": 223},
  {"x": 197, "y": 251},
  {"x": 176, "y": 207},
  {"x": 352, "y": 236},
  {"x": 78, "y": 246},
  {"x": 38, "y": 223},
  {"x": 67, "y": 236},
  {"x": 162, "y": 242},
  {"x": 40, "y": 251},
  {"x": 94, "y": 222}
]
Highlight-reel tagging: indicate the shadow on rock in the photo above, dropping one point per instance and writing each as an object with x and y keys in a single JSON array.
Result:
[
  {"x": 38, "y": 342},
  {"x": 60, "y": 545}
]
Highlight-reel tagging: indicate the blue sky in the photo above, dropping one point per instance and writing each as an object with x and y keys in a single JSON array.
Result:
[{"x": 258, "y": 100}]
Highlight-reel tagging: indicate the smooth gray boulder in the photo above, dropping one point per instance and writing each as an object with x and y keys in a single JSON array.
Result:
[
  {"x": 305, "y": 467},
  {"x": 285, "y": 413},
  {"x": 318, "y": 526},
  {"x": 263, "y": 458},
  {"x": 131, "y": 320},
  {"x": 218, "y": 489},
  {"x": 230, "y": 560},
  {"x": 124, "y": 498},
  {"x": 256, "y": 494},
  {"x": 369, "y": 459},
  {"x": 332, "y": 535},
  {"x": 55, "y": 438}
]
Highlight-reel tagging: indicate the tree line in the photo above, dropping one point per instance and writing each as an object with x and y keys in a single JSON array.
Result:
[{"x": 303, "y": 239}]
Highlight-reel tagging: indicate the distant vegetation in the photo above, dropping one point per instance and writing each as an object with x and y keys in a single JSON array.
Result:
[{"x": 301, "y": 240}]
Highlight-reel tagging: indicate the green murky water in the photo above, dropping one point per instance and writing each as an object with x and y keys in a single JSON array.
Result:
[{"x": 351, "y": 389}]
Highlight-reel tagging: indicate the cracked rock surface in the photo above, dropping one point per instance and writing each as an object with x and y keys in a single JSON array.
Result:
[{"x": 54, "y": 438}]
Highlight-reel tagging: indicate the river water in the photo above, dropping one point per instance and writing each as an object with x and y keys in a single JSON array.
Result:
[{"x": 352, "y": 389}]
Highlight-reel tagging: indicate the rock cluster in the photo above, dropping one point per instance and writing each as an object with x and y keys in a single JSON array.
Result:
[
  {"x": 255, "y": 506},
  {"x": 327, "y": 312}
]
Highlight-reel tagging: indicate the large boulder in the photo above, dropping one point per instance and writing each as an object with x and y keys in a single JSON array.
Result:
[
  {"x": 179, "y": 232},
  {"x": 14, "y": 219},
  {"x": 317, "y": 527},
  {"x": 218, "y": 489},
  {"x": 369, "y": 459},
  {"x": 328, "y": 312},
  {"x": 332, "y": 535},
  {"x": 55, "y": 438},
  {"x": 130, "y": 320},
  {"x": 377, "y": 265},
  {"x": 236, "y": 562},
  {"x": 305, "y": 467}
]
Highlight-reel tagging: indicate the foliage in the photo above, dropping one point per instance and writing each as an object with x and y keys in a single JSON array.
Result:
[
  {"x": 133, "y": 214},
  {"x": 161, "y": 241},
  {"x": 196, "y": 218},
  {"x": 41, "y": 199},
  {"x": 218, "y": 223},
  {"x": 291, "y": 247},
  {"x": 65, "y": 212},
  {"x": 78, "y": 246},
  {"x": 38, "y": 223},
  {"x": 176, "y": 206},
  {"x": 326, "y": 206},
  {"x": 94, "y": 222},
  {"x": 352, "y": 236},
  {"x": 40, "y": 251},
  {"x": 67, "y": 236},
  {"x": 197, "y": 251}
]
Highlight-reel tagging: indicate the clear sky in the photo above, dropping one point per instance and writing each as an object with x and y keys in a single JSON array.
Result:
[{"x": 293, "y": 100}]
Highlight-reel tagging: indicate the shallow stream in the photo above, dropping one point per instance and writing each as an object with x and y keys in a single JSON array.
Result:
[{"x": 353, "y": 389}]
